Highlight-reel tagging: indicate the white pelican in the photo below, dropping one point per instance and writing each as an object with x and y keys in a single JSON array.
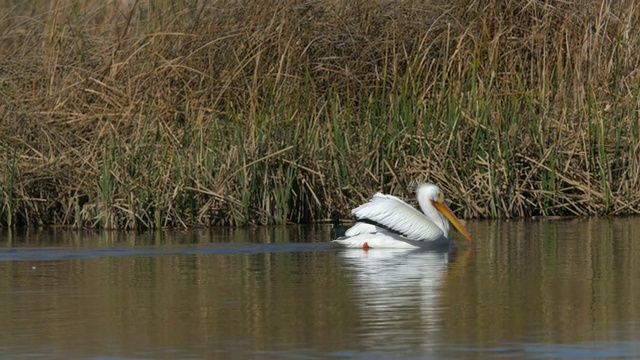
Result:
[{"x": 388, "y": 222}]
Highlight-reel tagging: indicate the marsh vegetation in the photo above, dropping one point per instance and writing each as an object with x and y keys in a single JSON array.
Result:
[{"x": 178, "y": 113}]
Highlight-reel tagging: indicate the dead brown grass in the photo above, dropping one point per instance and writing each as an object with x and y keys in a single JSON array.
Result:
[{"x": 165, "y": 113}]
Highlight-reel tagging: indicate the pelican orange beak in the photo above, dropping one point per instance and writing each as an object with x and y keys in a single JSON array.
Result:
[{"x": 444, "y": 209}]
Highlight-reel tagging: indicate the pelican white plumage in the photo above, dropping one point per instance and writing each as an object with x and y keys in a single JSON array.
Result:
[{"x": 388, "y": 222}]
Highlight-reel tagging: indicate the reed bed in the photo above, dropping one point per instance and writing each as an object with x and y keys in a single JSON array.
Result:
[{"x": 146, "y": 114}]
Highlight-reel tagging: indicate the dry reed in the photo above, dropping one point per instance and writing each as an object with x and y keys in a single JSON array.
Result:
[{"x": 146, "y": 114}]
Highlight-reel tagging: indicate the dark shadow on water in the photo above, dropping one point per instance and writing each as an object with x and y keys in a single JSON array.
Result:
[
  {"x": 64, "y": 253},
  {"x": 582, "y": 351},
  {"x": 63, "y": 236},
  {"x": 63, "y": 243}
]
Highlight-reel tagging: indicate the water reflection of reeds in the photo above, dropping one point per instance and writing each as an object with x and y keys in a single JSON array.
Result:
[
  {"x": 570, "y": 281},
  {"x": 149, "y": 303},
  {"x": 534, "y": 282}
]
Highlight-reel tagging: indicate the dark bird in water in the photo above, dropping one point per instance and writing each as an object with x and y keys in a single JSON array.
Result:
[{"x": 337, "y": 230}]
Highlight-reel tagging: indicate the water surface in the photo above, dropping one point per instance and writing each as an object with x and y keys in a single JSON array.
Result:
[{"x": 539, "y": 290}]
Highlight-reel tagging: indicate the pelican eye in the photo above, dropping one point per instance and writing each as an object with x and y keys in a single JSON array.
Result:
[{"x": 440, "y": 198}]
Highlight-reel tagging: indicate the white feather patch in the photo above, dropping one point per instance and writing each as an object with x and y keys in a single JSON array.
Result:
[
  {"x": 362, "y": 228},
  {"x": 381, "y": 240},
  {"x": 386, "y": 240},
  {"x": 395, "y": 214}
]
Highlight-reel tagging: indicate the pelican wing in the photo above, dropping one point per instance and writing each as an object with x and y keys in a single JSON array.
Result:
[
  {"x": 394, "y": 214},
  {"x": 362, "y": 228}
]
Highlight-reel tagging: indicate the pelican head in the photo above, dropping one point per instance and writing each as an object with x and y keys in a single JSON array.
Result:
[{"x": 431, "y": 201}]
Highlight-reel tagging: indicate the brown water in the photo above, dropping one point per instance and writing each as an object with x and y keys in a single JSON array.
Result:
[{"x": 539, "y": 290}]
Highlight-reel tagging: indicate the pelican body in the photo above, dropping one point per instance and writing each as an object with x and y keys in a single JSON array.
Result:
[{"x": 388, "y": 222}]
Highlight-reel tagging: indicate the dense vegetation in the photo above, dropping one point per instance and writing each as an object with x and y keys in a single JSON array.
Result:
[{"x": 179, "y": 113}]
